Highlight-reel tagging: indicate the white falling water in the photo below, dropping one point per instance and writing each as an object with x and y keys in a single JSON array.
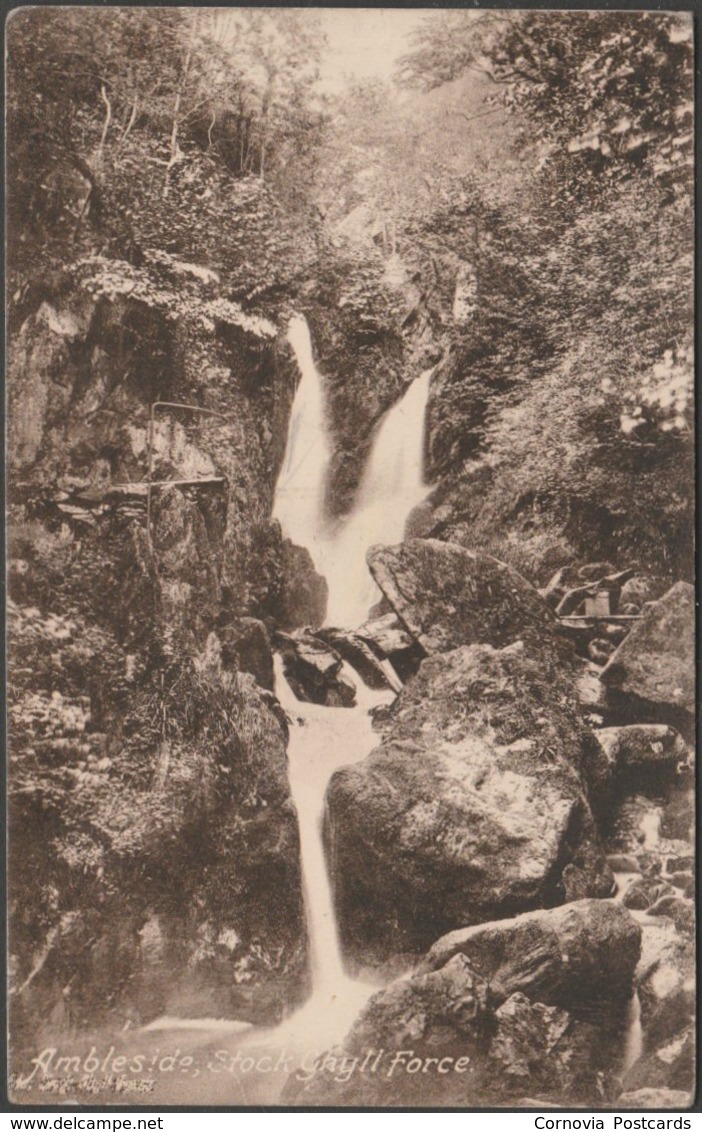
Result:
[
  {"x": 299, "y": 493},
  {"x": 633, "y": 1034},
  {"x": 391, "y": 486},
  {"x": 322, "y": 739}
]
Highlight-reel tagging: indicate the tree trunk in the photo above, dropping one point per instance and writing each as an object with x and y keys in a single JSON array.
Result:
[{"x": 174, "y": 150}]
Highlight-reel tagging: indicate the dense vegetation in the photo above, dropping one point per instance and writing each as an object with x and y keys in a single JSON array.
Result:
[{"x": 591, "y": 354}]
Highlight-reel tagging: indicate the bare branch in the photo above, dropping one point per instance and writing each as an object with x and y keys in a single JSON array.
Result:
[
  {"x": 132, "y": 118},
  {"x": 108, "y": 119}
]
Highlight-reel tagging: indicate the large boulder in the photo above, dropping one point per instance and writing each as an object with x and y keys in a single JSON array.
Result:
[
  {"x": 439, "y": 1038},
  {"x": 473, "y": 808},
  {"x": 448, "y": 596},
  {"x": 561, "y": 956},
  {"x": 666, "y": 984},
  {"x": 656, "y": 662},
  {"x": 375, "y": 672},
  {"x": 672, "y": 1066}
]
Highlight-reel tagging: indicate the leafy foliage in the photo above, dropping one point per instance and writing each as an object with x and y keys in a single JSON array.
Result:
[
  {"x": 579, "y": 398},
  {"x": 112, "y": 154}
]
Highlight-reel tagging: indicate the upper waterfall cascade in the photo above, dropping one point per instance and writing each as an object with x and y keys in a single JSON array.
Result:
[{"x": 392, "y": 484}]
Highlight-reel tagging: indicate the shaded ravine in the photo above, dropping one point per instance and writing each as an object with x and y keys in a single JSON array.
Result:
[{"x": 246, "y": 1064}]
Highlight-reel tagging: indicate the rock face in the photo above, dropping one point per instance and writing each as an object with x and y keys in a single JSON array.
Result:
[
  {"x": 473, "y": 808},
  {"x": 374, "y": 672},
  {"x": 561, "y": 956},
  {"x": 246, "y": 645},
  {"x": 389, "y": 640},
  {"x": 656, "y": 662},
  {"x": 448, "y": 596},
  {"x": 304, "y": 592},
  {"x": 157, "y": 903},
  {"x": 666, "y": 985},
  {"x": 150, "y": 791}
]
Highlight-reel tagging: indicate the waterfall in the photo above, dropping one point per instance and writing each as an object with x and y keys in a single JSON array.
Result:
[
  {"x": 299, "y": 493},
  {"x": 322, "y": 739},
  {"x": 325, "y": 738},
  {"x": 633, "y": 1034},
  {"x": 392, "y": 484}
]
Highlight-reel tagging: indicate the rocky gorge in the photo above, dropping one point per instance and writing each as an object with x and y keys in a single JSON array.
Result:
[{"x": 351, "y": 687}]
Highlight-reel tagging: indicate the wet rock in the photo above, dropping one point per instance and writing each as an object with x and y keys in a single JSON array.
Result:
[
  {"x": 643, "y": 892},
  {"x": 680, "y": 911},
  {"x": 313, "y": 670},
  {"x": 623, "y": 863},
  {"x": 304, "y": 592},
  {"x": 634, "y": 826},
  {"x": 390, "y": 641},
  {"x": 471, "y": 808},
  {"x": 386, "y": 633},
  {"x": 246, "y": 647},
  {"x": 672, "y": 1066},
  {"x": 448, "y": 596},
  {"x": 560, "y": 956},
  {"x": 353, "y": 648},
  {"x": 678, "y": 817},
  {"x": 655, "y": 1098},
  {"x": 656, "y": 662},
  {"x": 684, "y": 863},
  {"x": 685, "y": 882}
]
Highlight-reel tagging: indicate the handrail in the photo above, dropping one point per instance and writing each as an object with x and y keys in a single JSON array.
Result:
[{"x": 150, "y": 446}]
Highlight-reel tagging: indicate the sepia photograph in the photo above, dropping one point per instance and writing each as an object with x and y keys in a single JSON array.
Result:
[{"x": 350, "y": 559}]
